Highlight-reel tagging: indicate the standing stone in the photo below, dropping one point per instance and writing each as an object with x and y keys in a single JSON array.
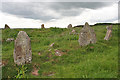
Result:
[
  {"x": 87, "y": 35},
  {"x": 22, "y": 51},
  {"x": 42, "y": 26},
  {"x": 70, "y": 26},
  {"x": 7, "y": 27},
  {"x": 108, "y": 33}
]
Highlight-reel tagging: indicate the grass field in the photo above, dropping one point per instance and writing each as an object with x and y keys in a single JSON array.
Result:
[{"x": 100, "y": 61}]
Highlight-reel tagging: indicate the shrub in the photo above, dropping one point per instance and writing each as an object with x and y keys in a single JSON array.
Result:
[{"x": 21, "y": 72}]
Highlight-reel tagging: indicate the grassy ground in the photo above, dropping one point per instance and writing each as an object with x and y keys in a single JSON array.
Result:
[{"x": 100, "y": 61}]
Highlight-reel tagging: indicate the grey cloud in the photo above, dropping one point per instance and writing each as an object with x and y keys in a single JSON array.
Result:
[
  {"x": 119, "y": 12},
  {"x": 69, "y": 5},
  {"x": 70, "y": 12},
  {"x": 60, "y": 0},
  {"x": 26, "y": 10},
  {"x": 38, "y": 10},
  {"x": 67, "y": 8}
]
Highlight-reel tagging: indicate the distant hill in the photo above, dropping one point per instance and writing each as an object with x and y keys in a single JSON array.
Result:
[{"x": 99, "y": 24}]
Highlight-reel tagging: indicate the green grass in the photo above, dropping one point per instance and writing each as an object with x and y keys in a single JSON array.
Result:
[{"x": 79, "y": 62}]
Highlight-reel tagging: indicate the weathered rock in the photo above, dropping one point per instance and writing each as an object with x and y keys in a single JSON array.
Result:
[
  {"x": 7, "y": 27},
  {"x": 52, "y": 44},
  {"x": 70, "y": 26},
  {"x": 42, "y": 26},
  {"x": 49, "y": 50},
  {"x": 22, "y": 51},
  {"x": 39, "y": 53},
  {"x": 35, "y": 72},
  {"x": 87, "y": 35},
  {"x": 9, "y": 39},
  {"x": 73, "y": 32},
  {"x": 59, "y": 53},
  {"x": 108, "y": 33},
  {"x": 3, "y": 63},
  {"x": 50, "y": 73}
]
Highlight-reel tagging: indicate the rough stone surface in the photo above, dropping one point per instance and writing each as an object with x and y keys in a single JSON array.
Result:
[
  {"x": 70, "y": 26},
  {"x": 7, "y": 27},
  {"x": 39, "y": 53},
  {"x": 3, "y": 63},
  {"x": 22, "y": 51},
  {"x": 52, "y": 45},
  {"x": 108, "y": 33},
  {"x": 42, "y": 26},
  {"x": 87, "y": 35},
  {"x": 59, "y": 53},
  {"x": 35, "y": 72},
  {"x": 9, "y": 39},
  {"x": 73, "y": 32}
]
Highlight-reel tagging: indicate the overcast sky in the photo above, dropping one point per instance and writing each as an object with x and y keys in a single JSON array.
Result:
[{"x": 29, "y": 14}]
